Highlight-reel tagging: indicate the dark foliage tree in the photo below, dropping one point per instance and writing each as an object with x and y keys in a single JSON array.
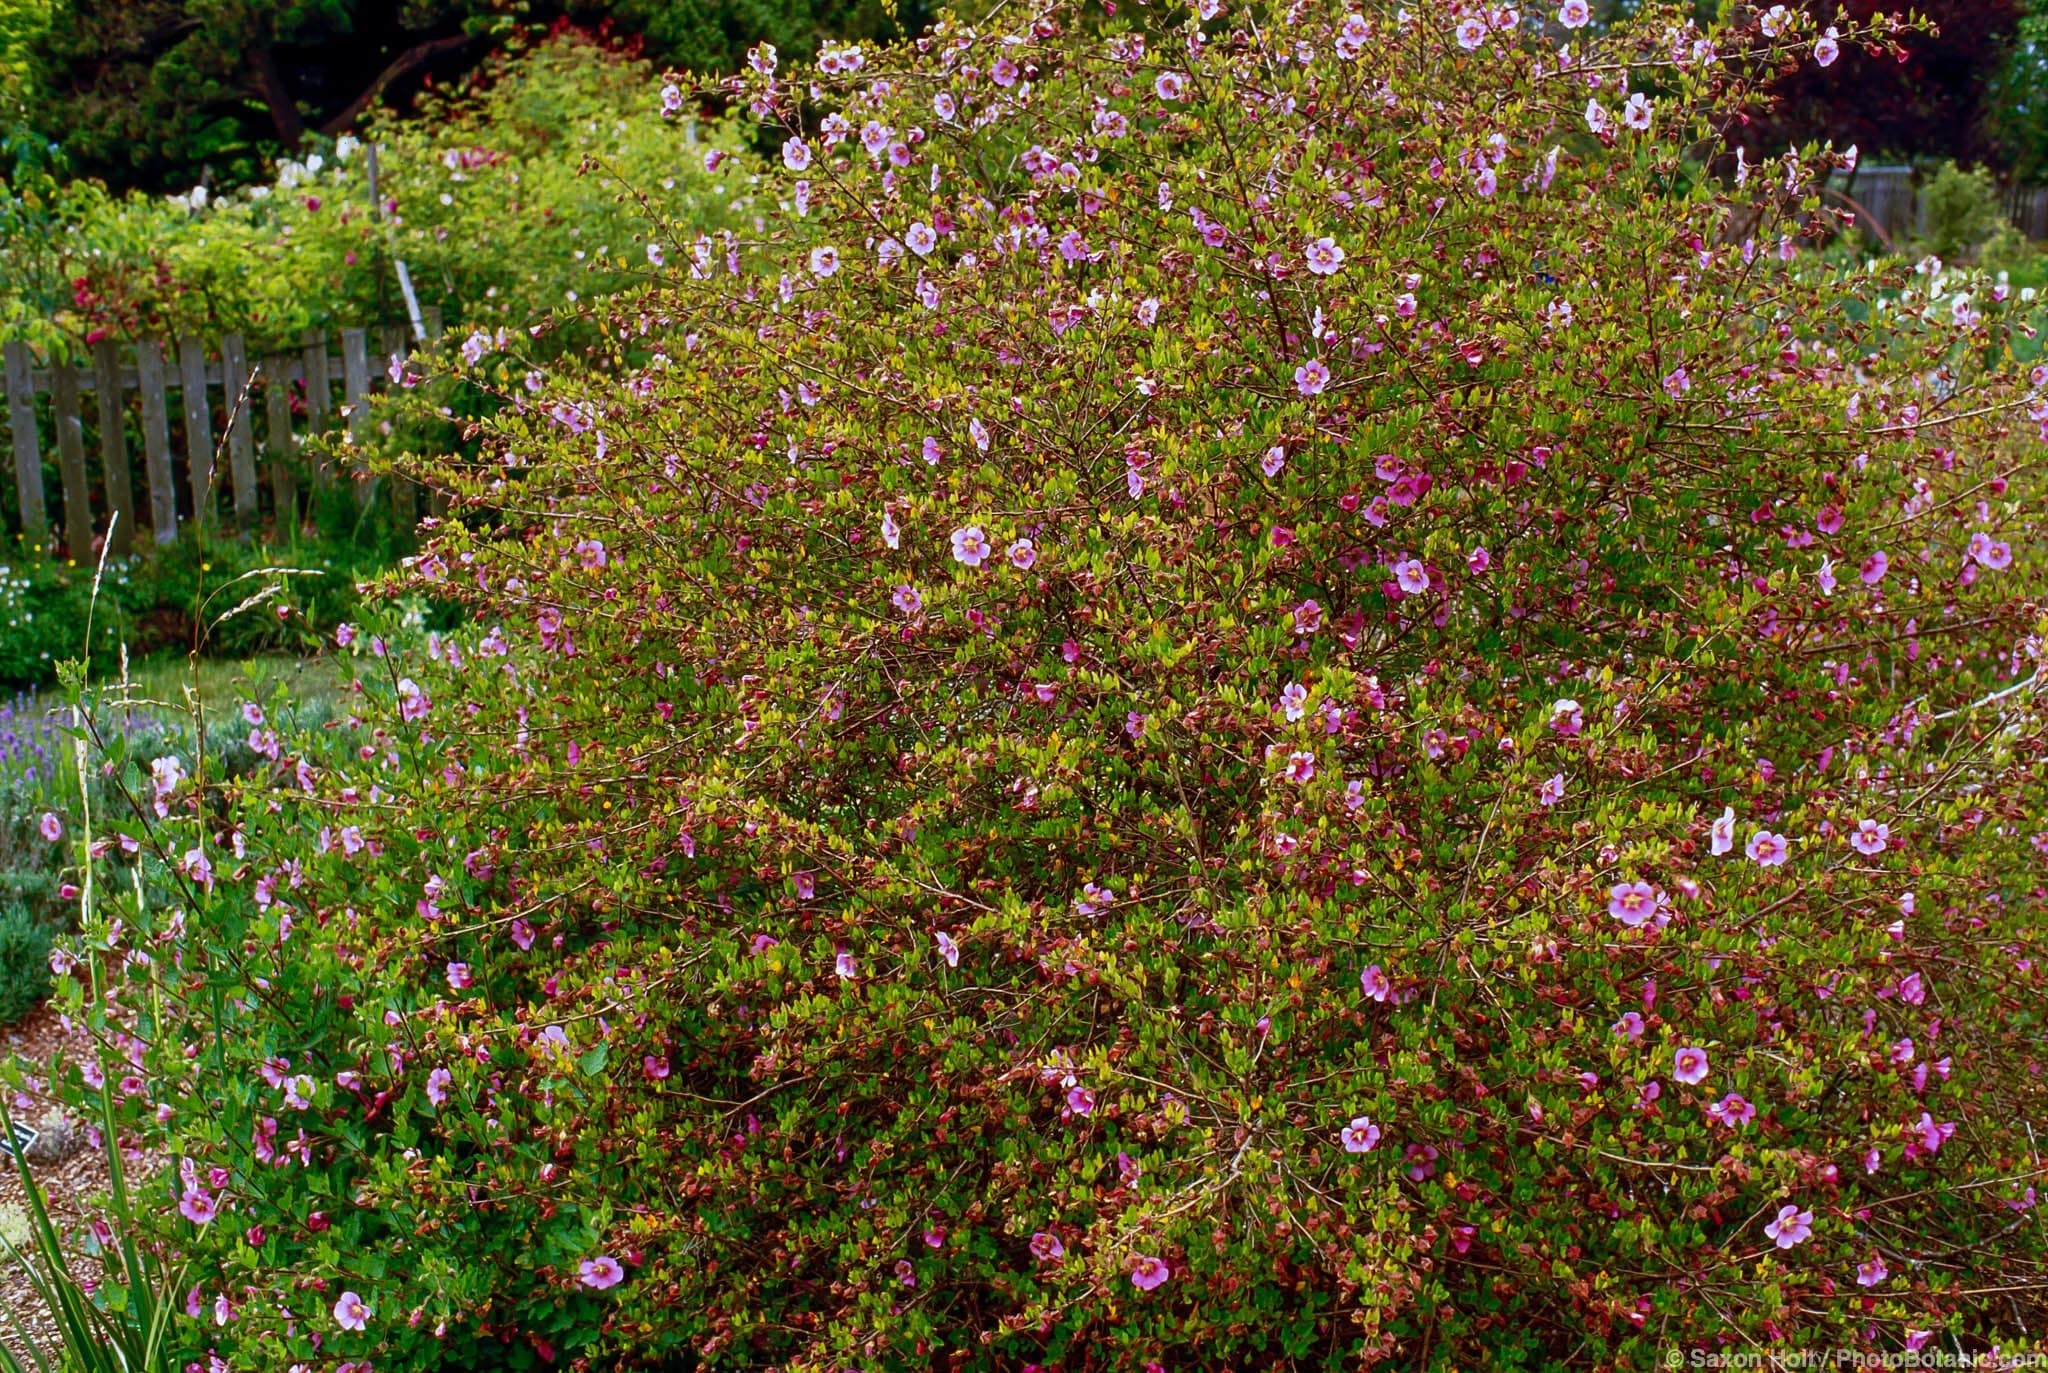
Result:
[
  {"x": 165, "y": 93},
  {"x": 1929, "y": 96}
]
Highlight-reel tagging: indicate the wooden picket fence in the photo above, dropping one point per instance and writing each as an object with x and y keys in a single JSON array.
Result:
[
  {"x": 211, "y": 383},
  {"x": 1890, "y": 196}
]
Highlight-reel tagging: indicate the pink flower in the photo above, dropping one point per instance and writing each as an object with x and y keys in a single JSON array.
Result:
[
  {"x": 1636, "y": 114},
  {"x": 197, "y": 867},
  {"x": 1373, "y": 981},
  {"x": 1767, "y": 850},
  {"x": 1689, "y": 1065},
  {"x": 51, "y": 828},
  {"x": 437, "y": 1086},
  {"x": 1411, "y": 576},
  {"x": 197, "y": 1206},
  {"x": 1874, "y": 568},
  {"x": 601, "y": 1272},
  {"x": 970, "y": 545},
  {"x": 1325, "y": 258},
  {"x": 1170, "y": 86},
  {"x": 824, "y": 261},
  {"x": 1294, "y": 701},
  {"x": 948, "y": 949},
  {"x": 921, "y": 238},
  {"x": 1732, "y": 1110},
  {"x": 1632, "y": 903},
  {"x": 1301, "y": 767},
  {"x": 1989, "y": 553},
  {"x": 1870, "y": 837},
  {"x": 1791, "y": 1226},
  {"x": 1308, "y": 617},
  {"x": 350, "y": 1312},
  {"x": 1934, "y": 1134},
  {"x": 1826, "y": 49},
  {"x": 1361, "y": 1136},
  {"x": 1630, "y": 1025},
  {"x": 1679, "y": 381},
  {"x": 844, "y": 965},
  {"x": 1081, "y": 1101},
  {"x": 1575, "y": 14},
  {"x": 1552, "y": 790},
  {"x": 458, "y": 976},
  {"x": 1871, "y": 1271},
  {"x": 1311, "y": 377},
  {"x": 656, "y": 1068},
  {"x": 1471, "y": 34},
  {"x": 1148, "y": 1273},
  {"x": 1722, "y": 832},
  {"x": 907, "y": 600},
  {"x": 1023, "y": 553},
  {"x": 1275, "y": 459},
  {"x": 1566, "y": 718},
  {"x": 1478, "y": 560}
]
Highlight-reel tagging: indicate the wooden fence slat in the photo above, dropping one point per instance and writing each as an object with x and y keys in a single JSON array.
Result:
[
  {"x": 355, "y": 385},
  {"x": 28, "y": 457},
  {"x": 319, "y": 397},
  {"x": 114, "y": 474},
  {"x": 156, "y": 442},
  {"x": 241, "y": 394},
  {"x": 277, "y": 439},
  {"x": 71, "y": 463},
  {"x": 198, "y": 427}
]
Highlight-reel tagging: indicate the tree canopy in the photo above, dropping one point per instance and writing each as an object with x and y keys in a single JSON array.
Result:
[{"x": 161, "y": 94}]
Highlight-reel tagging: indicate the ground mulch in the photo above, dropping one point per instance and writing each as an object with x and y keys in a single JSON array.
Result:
[{"x": 69, "y": 1187}]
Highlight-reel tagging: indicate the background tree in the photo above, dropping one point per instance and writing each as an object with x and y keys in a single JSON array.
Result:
[
  {"x": 165, "y": 94},
  {"x": 1928, "y": 97}
]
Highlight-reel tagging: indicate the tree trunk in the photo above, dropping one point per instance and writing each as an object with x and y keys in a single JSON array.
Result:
[{"x": 284, "y": 114}]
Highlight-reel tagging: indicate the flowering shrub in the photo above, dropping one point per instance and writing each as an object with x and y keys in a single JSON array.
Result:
[{"x": 1265, "y": 691}]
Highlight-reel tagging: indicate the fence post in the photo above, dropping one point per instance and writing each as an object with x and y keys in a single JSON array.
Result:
[
  {"x": 106, "y": 371},
  {"x": 156, "y": 442},
  {"x": 277, "y": 439},
  {"x": 198, "y": 427},
  {"x": 319, "y": 397},
  {"x": 239, "y": 385},
  {"x": 431, "y": 315},
  {"x": 397, "y": 344},
  {"x": 28, "y": 457},
  {"x": 355, "y": 385},
  {"x": 71, "y": 462}
]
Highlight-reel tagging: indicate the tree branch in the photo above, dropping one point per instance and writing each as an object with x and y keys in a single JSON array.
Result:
[{"x": 406, "y": 62}]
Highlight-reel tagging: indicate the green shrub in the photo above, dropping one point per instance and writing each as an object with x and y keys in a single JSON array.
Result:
[
  {"x": 490, "y": 208},
  {"x": 1963, "y": 210},
  {"x": 24, "y": 962},
  {"x": 2007, "y": 251},
  {"x": 1047, "y": 772},
  {"x": 44, "y": 609}
]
